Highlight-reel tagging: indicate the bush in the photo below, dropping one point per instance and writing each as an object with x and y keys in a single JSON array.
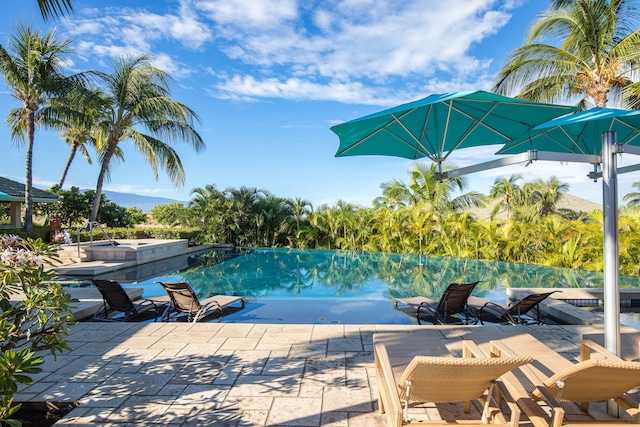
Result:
[
  {"x": 169, "y": 214},
  {"x": 39, "y": 322}
]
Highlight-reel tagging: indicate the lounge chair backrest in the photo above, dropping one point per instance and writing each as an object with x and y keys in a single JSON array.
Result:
[
  {"x": 594, "y": 380},
  {"x": 454, "y": 299},
  {"x": 527, "y": 303},
  {"x": 114, "y": 295},
  {"x": 182, "y": 296},
  {"x": 448, "y": 379}
]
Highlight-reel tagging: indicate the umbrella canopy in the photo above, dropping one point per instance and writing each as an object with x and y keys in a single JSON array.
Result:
[
  {"x": 437, "y": 125},
  {"x": 579, "y": 133}
]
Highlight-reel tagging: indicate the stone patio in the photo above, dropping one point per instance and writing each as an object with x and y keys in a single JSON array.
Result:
[{"x": 233, "y": 374}]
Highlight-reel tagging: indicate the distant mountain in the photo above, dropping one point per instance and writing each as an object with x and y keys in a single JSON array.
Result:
[
  {"x": 144, "y": 203},
  {"x": 567, "y": 201}
]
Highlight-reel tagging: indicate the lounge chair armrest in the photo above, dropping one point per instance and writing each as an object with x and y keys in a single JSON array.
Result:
[
  {"x": 498, "y": 349},
  {"x": 492, "y": 306},
  {"x": 629, "y": 405},
  {"x": 587, "y": 346},
  {"x": 557, "y": 411},
  {"x": 427, "y": 310},
  {"x": 387, "y": 387},
  {"x": 471, "y": 349}
]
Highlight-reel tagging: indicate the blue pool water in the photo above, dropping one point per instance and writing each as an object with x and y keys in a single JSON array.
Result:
[{"x": 322, "y": 286}]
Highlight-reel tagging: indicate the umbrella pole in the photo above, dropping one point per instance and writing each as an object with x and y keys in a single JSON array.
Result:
[{"x": 611, "y": 251}]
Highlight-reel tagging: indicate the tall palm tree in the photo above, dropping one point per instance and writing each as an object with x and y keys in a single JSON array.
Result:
[
  {"x": 54, "y": 8},
  {"x": 32, "y": 68},
  {"x": 136, "y": 95},
  {"x": 598, "y": 53},
  {"x": 508, "y": 193},
  {"x": 301, "y": 207}
]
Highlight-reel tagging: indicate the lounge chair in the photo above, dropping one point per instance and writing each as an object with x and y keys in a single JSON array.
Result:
[
  {"x": 553, "y": 391},
  {"x": 116, "y": 300},
  {"x": 516, "y": 313},
  {"x": 451, "y": 309},
  {"x": 184, "y": 300},
  {"x": 432, "y": 375}
]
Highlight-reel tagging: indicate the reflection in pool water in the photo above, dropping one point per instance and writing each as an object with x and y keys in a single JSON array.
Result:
[{"x": 316, "y": 286}]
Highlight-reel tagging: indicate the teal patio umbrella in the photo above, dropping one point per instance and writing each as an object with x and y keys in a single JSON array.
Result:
[
  {"x": 579, "y": 133},
  {"x": 437, "y": 125},
  {"x": 599, "y": 133}
]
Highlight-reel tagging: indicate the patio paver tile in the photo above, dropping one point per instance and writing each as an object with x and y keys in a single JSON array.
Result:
[
  {"x": 240, "y": 343},
  {"x": 265, "y": 386},
  {"x": 347, "y": 399},
  {"x": 302, "y": 411}
]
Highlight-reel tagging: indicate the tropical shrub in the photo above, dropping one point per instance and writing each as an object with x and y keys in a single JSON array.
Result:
[
  {"x": 39, "y": 322},
  {"x": 170, "y": 214}
]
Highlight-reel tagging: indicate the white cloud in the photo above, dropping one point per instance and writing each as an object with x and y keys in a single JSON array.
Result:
[
  {"x": 249, "y": 88},
  {"x": 113, "y": 31},
  {"x": 349, "y": 51},
  {"x": 264, "y": 14}
]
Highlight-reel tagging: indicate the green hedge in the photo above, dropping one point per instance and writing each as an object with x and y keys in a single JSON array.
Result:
[{"x": 39, "y": 232}]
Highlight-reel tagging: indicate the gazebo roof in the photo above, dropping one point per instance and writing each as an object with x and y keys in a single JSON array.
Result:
[{"x": 13, "y": 191}]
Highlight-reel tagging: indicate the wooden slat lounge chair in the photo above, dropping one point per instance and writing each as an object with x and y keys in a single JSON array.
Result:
[
  {"x": 450, "y": 309},
  {"x": 115, "y": 300},
  {"x": 516, "y": 313},
  {"x": 432, "y": 375},
  {"x": 553, "y": 391},
  {"x": 184, "y": 300}
]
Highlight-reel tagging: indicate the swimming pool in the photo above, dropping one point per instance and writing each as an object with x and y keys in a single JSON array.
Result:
[{"x": 322, "y": 286}]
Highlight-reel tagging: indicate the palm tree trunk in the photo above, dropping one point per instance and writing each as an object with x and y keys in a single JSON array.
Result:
[
  {"x": 74, "y": 148},
  {"x": 28, "y": 193},
  {"x": 103, "y": 171}
]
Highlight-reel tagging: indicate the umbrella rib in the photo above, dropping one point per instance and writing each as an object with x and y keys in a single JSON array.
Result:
[
  {"x": 477, "y": 122},
  {"x": 424, "y": 135},
  {"x": 419, "y": 147},
  {"x": 575, "y": 144}
]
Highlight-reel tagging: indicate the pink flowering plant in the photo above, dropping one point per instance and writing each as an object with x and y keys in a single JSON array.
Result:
[{"x": 34, "y": 315}]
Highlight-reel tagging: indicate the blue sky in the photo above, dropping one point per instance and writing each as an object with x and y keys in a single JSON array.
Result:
[{"x": 270, "y": 77}]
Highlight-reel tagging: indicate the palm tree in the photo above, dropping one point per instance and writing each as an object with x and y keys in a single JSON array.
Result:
[
  {"x": 633, "y": 198},
  {"x": 54, "y": 8},
  {"x": 32, "y": 68},
  {"x": 136, "y": 95},
  {"x": 598, "y": 53},
  {"x": 300, "y": 208},
  {"x": 545, "y": 195},
  {"x": 508, "y": 193},
  {"x": 423, "y": 187},
  {"x": 78, "y": 140}
]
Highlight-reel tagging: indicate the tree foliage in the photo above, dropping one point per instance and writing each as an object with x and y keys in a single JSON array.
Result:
[
  {"x": 580, "y": 50},
  {"x": 38, "y": 322}
]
